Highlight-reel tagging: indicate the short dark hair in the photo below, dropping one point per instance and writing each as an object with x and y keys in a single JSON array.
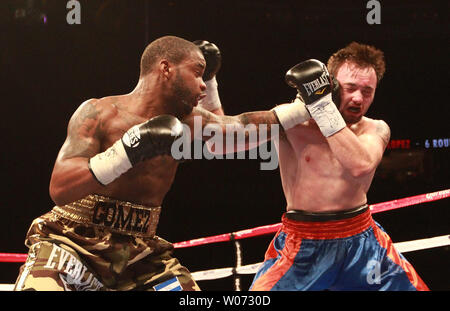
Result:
[
  {"x": 172, "y": 48},
  {"x": 361, "y": 54}
]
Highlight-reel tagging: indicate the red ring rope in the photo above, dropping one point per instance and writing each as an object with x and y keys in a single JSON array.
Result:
[{"x": 375, "y": 208}]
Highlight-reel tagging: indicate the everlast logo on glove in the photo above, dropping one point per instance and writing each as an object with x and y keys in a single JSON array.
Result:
[
  {"x": 313, "y": 86},
  {"x": 131, "y": 137}
]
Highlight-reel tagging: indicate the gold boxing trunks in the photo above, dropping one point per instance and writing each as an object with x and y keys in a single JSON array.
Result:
[
  {"x": 117, "y": 216},
  {"x": 99, "y": 243}
]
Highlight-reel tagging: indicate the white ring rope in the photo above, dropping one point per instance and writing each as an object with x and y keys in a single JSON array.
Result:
[
  {"x": 213, "y": 274},
  {"x": 402, "y": 247}
]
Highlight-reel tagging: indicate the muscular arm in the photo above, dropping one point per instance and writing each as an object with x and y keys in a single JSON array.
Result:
[
  {"x": 71, "y": 178},
  {"x": 218, "y": 111},
  {"x": 360, "y": 154},
  {"x": 253, "y": 128}
]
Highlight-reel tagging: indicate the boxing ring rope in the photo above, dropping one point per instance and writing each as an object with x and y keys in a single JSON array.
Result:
[
  {"x": 374, "y": 208},
  {"x": 403, "y": 247},
  {"x": 238, "y": 269}
]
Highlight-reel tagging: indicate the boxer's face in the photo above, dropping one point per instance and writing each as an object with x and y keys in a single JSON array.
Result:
[
  {"x": 188, "y": 85},
  {"x": 358, "y": 86}
]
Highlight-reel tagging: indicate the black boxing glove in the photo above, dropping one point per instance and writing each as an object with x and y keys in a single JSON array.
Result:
[
  {"x": 336, "y": 92},
  {"x": 314, "y": 85},
  {"x": 212, "y": 56},
  {"x": 213, "y": 59},
  {"x": 143, "y": 141}
]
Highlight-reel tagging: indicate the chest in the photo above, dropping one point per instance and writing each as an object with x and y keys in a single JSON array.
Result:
[
  {"x": 313, "y": 153},
  {"x": 115, "y": 128}
]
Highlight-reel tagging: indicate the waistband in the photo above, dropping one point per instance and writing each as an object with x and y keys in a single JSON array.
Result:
[
  {"x": 118, "y": 216},
  {"x": 328, "y": 225},
  {"x": 325, "y": 216}
]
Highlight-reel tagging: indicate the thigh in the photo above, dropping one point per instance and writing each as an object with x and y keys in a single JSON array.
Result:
[
  {"x": 160, "y": 272},
  {"x": 396, "y": 273},
  {"x": 55, "y": 267},
  {"x": 296, "y": 264},
  {"x": 373, "y": 263}
]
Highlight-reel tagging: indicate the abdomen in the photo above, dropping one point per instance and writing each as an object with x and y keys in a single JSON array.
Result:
[{"x": 147, "y": 183}]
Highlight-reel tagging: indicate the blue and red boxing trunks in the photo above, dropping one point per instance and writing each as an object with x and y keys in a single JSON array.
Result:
[{"x": 353, "y": 253}]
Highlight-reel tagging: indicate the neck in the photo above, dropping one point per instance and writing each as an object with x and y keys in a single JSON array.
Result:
[
  {"x": 357, "y": 125},
  {"x": 150, "y": 98}
]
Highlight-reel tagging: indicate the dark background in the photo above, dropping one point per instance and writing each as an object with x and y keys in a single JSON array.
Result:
[{"x": 48, "y": 69}]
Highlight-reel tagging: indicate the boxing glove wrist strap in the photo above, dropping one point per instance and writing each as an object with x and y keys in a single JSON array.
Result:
[
  {"x": 326, "y": 115},
  {"x": 292, "y": 114},
  {"x": 110, "y": 164},
  {"x": 212, "y": 100}
]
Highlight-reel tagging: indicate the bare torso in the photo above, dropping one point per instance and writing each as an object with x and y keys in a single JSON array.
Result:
[
  {"x": 166, "y": 87},
  {"x": 150, "y": 180},
  {"x": 312, "y": 177},
  {"x": 95, "y": 126}
]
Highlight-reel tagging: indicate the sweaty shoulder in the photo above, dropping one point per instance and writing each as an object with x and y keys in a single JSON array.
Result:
[
  {"x": 107, "y": 107},
  {"x": 89, "y": 117},
  {"x": 379, "y": 128}
]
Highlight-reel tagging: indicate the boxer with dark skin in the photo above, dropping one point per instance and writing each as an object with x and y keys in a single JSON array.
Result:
[
  {"x": 109, "y": 181},
  {"x": 118, "y": 148},
  {"x": 98, "y": 123}
]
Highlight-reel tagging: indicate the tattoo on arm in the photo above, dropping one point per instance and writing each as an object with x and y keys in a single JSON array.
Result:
[
  {"x": 83, "y": 132},
  {"x": 258, "y": 118},
  {"x": 383, "y": 131},
  {"x": 255, "y": 118}
]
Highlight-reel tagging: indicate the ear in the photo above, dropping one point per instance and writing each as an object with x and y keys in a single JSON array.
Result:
[{"x": 165, "y": 69}]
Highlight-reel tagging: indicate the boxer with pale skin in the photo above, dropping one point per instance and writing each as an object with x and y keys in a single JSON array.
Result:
[
  {"x": 345, "y": 161},
  {"x": 328, "y": 153},
  {"x": 334, "y": 173}
]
